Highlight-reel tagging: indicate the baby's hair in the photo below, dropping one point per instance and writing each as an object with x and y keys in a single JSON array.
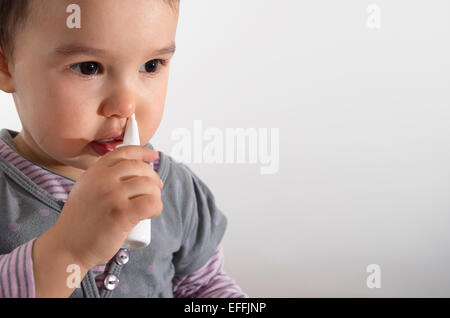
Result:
[{"x": 14, "y": 15}]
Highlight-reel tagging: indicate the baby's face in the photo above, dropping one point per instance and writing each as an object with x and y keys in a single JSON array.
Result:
[{"x": 64, "y": 102}]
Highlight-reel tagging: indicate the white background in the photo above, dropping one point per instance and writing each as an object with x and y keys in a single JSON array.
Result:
[{"x": 364, "y": 145}]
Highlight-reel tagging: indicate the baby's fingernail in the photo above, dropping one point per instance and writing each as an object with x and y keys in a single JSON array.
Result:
[{"x": 161, "y": 183}]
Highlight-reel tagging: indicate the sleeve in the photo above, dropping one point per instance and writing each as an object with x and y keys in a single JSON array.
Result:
[
  {"x": 203, "y": 226},
  {"x": 210, "y": 281},
  {"x": 16, "y": 273}
]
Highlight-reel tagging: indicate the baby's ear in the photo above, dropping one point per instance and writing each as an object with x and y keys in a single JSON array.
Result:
[{"x": 6, "y": 82}]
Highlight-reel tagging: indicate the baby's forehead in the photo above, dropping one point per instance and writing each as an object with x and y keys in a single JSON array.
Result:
[
  {"x": 110, "y": 23},
  {"x": 110, "y": 12}
]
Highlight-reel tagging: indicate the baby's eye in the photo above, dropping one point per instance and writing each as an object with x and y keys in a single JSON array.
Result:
[
  {"x": 86, "y": 68},
  {"x": 152, "y": 66},
  {"x": 92, "y": 68}
]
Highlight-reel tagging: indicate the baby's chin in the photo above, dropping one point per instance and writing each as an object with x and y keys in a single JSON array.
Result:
[{"x": 76, "y": 166}]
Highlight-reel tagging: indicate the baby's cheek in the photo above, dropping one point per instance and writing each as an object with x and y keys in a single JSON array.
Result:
[
  {"x": 151, "y": 131},
  {"x": 150, "y": 125},
  {"x": 61, "y": 148}
]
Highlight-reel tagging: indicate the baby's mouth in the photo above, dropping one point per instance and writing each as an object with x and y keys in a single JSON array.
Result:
[
  {"x": 113, "y": 136},
  {"x": 105, "y": 145},
  {"x": 109, "y": 140}
]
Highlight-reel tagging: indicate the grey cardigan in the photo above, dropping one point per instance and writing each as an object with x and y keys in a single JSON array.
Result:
[{"x": 184, "y": 236}]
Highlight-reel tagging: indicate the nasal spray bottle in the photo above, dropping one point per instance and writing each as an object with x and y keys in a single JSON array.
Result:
[{"x": 140, "y": 235}]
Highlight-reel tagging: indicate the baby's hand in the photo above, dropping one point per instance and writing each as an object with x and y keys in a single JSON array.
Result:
[{"x": 106, "y": 203}]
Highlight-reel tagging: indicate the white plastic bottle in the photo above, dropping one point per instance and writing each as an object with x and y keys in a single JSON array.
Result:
[{"x": 140, "y": 235}]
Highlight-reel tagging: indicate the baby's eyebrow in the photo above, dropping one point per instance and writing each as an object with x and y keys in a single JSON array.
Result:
[{"x": 75, "y": 49}]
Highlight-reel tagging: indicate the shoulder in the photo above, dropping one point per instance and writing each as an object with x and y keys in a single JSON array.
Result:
[
  {"x": 180, "y": 183},
  {"x": 171, "y": 170},
  {"x": 185, "y": 190}
]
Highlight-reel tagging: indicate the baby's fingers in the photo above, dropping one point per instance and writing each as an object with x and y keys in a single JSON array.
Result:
[
  {"x": 141, "y": 185},
  {"x": 146, "y": 207},
  {"x": 129, "y": 152}
]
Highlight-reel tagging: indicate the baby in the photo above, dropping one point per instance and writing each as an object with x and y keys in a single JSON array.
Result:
[{"x": 68, "y": 198}]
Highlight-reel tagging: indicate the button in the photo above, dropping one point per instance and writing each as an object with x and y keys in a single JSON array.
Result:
[
  {"x": 111, "y": 281},
  {"x": 122, "y": 256}
]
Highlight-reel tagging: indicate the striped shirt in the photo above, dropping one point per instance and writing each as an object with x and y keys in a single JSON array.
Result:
[{"x": 16, "y": 268}]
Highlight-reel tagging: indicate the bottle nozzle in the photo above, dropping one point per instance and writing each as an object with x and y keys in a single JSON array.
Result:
[{"x": 131, "y": 136}]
